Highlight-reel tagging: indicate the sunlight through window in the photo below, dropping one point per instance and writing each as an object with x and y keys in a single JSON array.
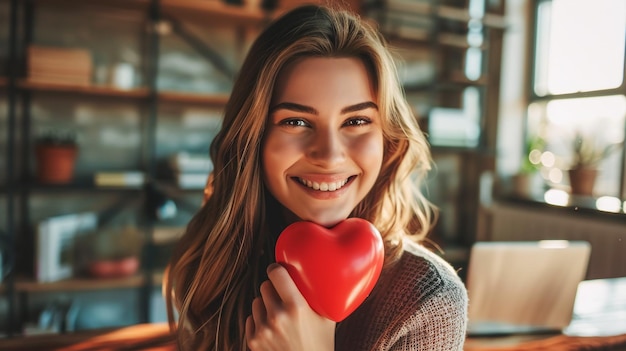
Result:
[{"x": 580, "y": 46}]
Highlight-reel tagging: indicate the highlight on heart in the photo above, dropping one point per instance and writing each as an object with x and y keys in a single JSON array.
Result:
[{"x": 335, "y": 269}]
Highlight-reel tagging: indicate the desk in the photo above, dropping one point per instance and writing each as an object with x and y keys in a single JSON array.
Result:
[
  {"x": 156, "y": 337},
  {"x": 546, "y": 343},
  {"x": 145, "y": 337}
]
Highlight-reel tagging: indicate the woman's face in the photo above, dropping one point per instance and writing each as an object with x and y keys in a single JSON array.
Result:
[{"x": 324, "y": 144}]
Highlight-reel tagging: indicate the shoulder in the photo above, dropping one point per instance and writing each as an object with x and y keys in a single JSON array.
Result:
[
  {"x": 418, "y": 301},
  {"x": 420, "y": 275},
  {"x": 423, "y": 270}
]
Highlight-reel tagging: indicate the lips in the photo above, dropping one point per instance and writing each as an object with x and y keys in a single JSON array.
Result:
[{"x": 324, "y": 186}]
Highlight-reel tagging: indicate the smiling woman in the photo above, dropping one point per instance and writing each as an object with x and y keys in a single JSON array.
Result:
[{"x": 317, "y": 129}]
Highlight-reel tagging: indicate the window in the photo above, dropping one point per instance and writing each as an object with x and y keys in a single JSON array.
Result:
[{"x": 577, "y": 89}]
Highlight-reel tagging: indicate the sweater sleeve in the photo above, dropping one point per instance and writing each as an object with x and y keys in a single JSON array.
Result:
[{"x": 443, "y": 330}]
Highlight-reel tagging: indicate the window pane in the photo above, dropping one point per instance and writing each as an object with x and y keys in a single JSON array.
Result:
[
  {"x": 598, "y": 120},
  {"x": 580, "y": 45}
]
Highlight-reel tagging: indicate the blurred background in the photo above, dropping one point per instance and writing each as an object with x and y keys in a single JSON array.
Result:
[{"x": 108, "y": 107}]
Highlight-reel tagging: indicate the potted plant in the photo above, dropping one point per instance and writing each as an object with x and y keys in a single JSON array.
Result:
[
  {"x": 56, "y": 153},
  {"x": 110, "y": 252},
  {"x": 527, "y": 181},
  {"x": 587, "y": 157}
]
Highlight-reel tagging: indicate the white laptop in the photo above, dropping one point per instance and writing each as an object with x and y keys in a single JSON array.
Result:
[{"x": 520, "y": 287}]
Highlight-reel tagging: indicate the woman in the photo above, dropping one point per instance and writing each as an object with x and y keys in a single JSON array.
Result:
[{"x": 316, "y": 129}]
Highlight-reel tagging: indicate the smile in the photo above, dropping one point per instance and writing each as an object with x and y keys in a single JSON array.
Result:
[{"x": 324, "y": 186}]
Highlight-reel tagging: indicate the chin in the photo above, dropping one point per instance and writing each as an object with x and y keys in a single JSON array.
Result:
[{"x": 327, "y": 221}]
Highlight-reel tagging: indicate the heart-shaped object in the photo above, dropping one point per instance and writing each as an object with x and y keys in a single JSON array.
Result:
[{"x": 335, "y": 269}]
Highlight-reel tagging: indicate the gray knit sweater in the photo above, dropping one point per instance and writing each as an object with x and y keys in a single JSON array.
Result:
[{"x": 419, "y": 303}]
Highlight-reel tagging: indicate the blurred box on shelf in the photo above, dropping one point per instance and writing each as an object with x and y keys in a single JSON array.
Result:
[
  {"x": 167, "y": 235},
  {"x": 120, "y": 179},
  {"x": 59, "y": 65},
  {"x": 187, "y": 162},
  {"x": 191, "y": 180},
  {"x": 190, "y": 170},
  {"x": 453, "y": 127},
  {"x": 56, "y": 237}
]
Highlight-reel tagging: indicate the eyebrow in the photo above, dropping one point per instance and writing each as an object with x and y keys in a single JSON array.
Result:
[{"x": 307, "y": 109}]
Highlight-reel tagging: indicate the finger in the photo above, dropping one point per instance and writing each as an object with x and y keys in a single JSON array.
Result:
[
  {"x": 283, "y": 284},
  {"x": 258, "y": 312},
  {"x": 271, "y": 299},
  {"x": 250, "y": 328}
]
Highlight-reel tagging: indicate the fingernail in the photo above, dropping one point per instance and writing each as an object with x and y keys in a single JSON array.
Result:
[{"x": 272, "y": 267}]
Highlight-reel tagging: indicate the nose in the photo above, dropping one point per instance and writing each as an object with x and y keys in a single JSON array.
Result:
[{"x": 326, "y": 148}]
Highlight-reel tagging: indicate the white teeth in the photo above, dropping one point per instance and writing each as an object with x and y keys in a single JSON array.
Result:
[{"x": 332, "y": 186}]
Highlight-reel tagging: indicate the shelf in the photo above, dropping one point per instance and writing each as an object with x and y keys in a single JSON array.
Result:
[
  {"x": 449, "y": 13},
  {"x": 215, "y": 12},
  {"x": 444, "y": 149},
  {"x": 212, "y": 12},
  {"x": 574, "y": 204},
  {"x": 457, "y": 41},
  {"x": 452, "y": 83},
  {"x": 84, "y": 284},
  {"x": 124, "y": 4},
  {"x": 77, "y": 187},
  {"x": 136, "y": 93},
  {"x": 193, "y": 98},
  {"x": 93, "y": 90},
  {"x": 458, "y": 78},
  {"x": 417, "y": 36},
  {"x": 79, "y": 284}
]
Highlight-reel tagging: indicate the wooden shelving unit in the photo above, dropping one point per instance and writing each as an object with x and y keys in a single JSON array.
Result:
[
  {"x": 93, "y": 90},
  {"x": 25, "y": 285},
  {"x": 449, "y": 13},
  {"x": 214, "y": 12},
  {"x": 208, "y": 14},
  {"x": 135, "y": 93},
  {"x": 77, "y": 284},
  {"x": 124, "y": 4},
  {"x": 149, "y": 99},
  {"x": 193, "y": 98}
]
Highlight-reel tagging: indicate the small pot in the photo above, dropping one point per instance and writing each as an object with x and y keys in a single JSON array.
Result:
[
  {"x": 118, "y": 268},
  {"x": 582, "y": 180},
  {"x": 55, "y": 163}
]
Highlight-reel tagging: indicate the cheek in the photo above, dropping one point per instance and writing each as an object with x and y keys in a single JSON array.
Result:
[
  {"x": 278, "y": 154},
  {"x": 368, "y": 151}
]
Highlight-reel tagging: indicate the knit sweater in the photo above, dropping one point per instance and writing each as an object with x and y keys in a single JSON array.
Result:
[{"x": 419, "y": 303}]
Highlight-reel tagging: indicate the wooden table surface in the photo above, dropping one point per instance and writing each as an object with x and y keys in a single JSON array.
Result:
[{"x": 156, "y": 337}]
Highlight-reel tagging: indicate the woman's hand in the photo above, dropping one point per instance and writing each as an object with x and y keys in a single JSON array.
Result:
[{"x": 282, "y": 320}]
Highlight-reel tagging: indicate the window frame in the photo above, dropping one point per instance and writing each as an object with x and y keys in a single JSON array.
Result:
[{"x": 533, "y": 97}]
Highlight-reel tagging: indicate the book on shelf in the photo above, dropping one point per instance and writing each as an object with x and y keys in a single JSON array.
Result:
[
  {"x": 129, "y": 179},
  {"x": 56, "y": 237},
  {"x": 186, "y": 162},
  {"x": 164, "y": 235},
  {"x": 190, "y": 170},
  {"x": 191, "y": 180},
  {"x": 59, "y": 65}
]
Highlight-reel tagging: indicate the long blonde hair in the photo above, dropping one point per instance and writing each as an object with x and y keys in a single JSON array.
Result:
[{"x": 220, "y": 262}]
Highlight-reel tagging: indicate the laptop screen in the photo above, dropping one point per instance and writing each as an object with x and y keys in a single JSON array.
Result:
[{"x": 530, "y": 285}]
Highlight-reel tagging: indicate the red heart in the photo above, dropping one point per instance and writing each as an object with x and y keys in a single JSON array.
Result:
[{"x": 334, "y": 269}]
